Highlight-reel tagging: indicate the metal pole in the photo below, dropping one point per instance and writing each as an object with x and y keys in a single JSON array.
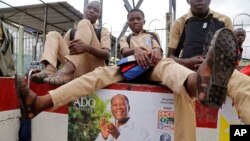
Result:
[
  {"x": 170, "y": 6},
  {"x": 85, "y": 4},
  {"x": 174, "y": 9},
  {"x": 168, "y": 25},
  {"x": 100, "y": 19},
  {"x": 133, "y": 4},
  {"x": 45, "y": 23},
  {"x": 20, "y": 55},
  {"x": 128, "y": 7},
  {"x": 34, "y": 48},
  {"x": 116, "y": 44}
]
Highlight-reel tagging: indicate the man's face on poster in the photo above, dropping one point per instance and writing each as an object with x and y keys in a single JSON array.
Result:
[
  {"x": 119, "y": 107},
  {"x": 165, "y": 137}
]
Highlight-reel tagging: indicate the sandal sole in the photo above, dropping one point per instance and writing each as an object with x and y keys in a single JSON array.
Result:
[
  {"x": 24, "y": 107},
  {"x": 21, "y": 97},
  {"x": 223, "y": 65}
]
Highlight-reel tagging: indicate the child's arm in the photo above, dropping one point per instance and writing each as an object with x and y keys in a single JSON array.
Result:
[
  {"x": 102, "y": 52},
  {"x": 77, "y": 47},
  {"x": 156, "y": 52},
  {"x": 141, "y": 53}
]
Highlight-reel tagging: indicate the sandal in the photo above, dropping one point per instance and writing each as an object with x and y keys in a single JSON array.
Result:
[
  {"x": 58, "y": 79},
  {"x": 39, "y": 77},
  {"x": 26, "y": 97},
  {"x": 222, "y": 59}
]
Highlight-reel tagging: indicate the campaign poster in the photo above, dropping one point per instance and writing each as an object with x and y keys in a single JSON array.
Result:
[{"x": 153, "y": 111}]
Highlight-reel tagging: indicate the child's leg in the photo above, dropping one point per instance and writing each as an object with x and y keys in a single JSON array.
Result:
[
  {"x": 171, "y": 74},
  {"x": 174, "y": 76},
  {"x": 79, "y": 64},
  {"x": 184, "y": 118},
  {"x": 85, "y": 85},
  {"x": 55, "y": 48},
  {"x": 86, "y": 62},
  {"x": 82, "y": 86}
]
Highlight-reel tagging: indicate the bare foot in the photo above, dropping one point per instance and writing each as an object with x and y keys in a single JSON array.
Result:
[
  {"x": 59, "y": 78},
  {"x": 39, "y": 77},
  {"x": 62, "y": 76}
]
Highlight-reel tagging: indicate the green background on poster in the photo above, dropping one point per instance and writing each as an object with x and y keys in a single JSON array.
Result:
[{"x": 84, "y": 116}]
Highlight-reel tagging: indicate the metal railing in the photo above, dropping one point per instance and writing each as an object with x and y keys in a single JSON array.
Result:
[{"x": 32, "y": 45}]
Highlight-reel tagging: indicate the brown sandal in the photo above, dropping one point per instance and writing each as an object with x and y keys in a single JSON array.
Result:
[
  {"x": 222, "y": 58},
  {"x": 27, "y": 101}
]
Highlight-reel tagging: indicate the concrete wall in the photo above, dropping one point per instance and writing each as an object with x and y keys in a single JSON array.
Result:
[{"x": 53, "y": 126}]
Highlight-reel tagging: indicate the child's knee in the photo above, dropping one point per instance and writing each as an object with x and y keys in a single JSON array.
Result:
[{"x": 84, "y": 22}]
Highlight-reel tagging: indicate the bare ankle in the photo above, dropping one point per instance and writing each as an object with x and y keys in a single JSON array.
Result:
[
  {"x": 69, "y": 67},
  {"x": 43, "y": 103},
  {"x": 190, "y": 85}
]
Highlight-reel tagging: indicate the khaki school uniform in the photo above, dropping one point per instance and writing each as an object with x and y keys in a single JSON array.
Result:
[
  {"x": 238, "y": 90},
  {"x": 165, "y": 71}
]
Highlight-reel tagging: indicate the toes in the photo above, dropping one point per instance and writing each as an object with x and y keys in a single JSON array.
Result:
[
  {"x": 30, "y": 115},
  {"x": 39, "y": 76},
  {"x": 58, "y": 80}
]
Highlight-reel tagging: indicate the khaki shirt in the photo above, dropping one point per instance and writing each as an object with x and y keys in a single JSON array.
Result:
[
  {"x": 142, "y": 39},
  {"x": 177, "y": 29},
  {"x": 105, "y": 40}
]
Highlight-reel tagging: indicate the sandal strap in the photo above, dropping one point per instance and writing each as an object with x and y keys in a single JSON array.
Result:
[
  {"x": 30, "y": 108},
  {"x": 23, "y": 92},
  {"x": 202, "y": 83}
]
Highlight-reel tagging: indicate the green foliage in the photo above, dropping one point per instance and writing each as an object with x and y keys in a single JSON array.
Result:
[{"x": 84, "y": 118}]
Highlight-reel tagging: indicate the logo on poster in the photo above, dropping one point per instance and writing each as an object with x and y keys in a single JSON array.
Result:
[
  {"x": 166, "y": 120},
  {"x": 85, "y": 104}
]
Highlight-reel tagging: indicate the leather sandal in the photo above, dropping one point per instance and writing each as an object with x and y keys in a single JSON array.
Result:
[
  {"x": 26, "y": 97},
  {"x": 221, "y": 58}
]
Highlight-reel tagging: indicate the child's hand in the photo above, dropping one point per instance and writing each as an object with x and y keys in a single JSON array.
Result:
[
  {"x": 156, "y": 56},
  {"x": 77, "y": 47},
  {"x": 142, "y": 56},
  {"x": 194, "y": 62}
]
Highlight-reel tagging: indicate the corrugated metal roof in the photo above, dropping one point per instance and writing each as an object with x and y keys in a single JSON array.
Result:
[{"x": 61, "y": 16}]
